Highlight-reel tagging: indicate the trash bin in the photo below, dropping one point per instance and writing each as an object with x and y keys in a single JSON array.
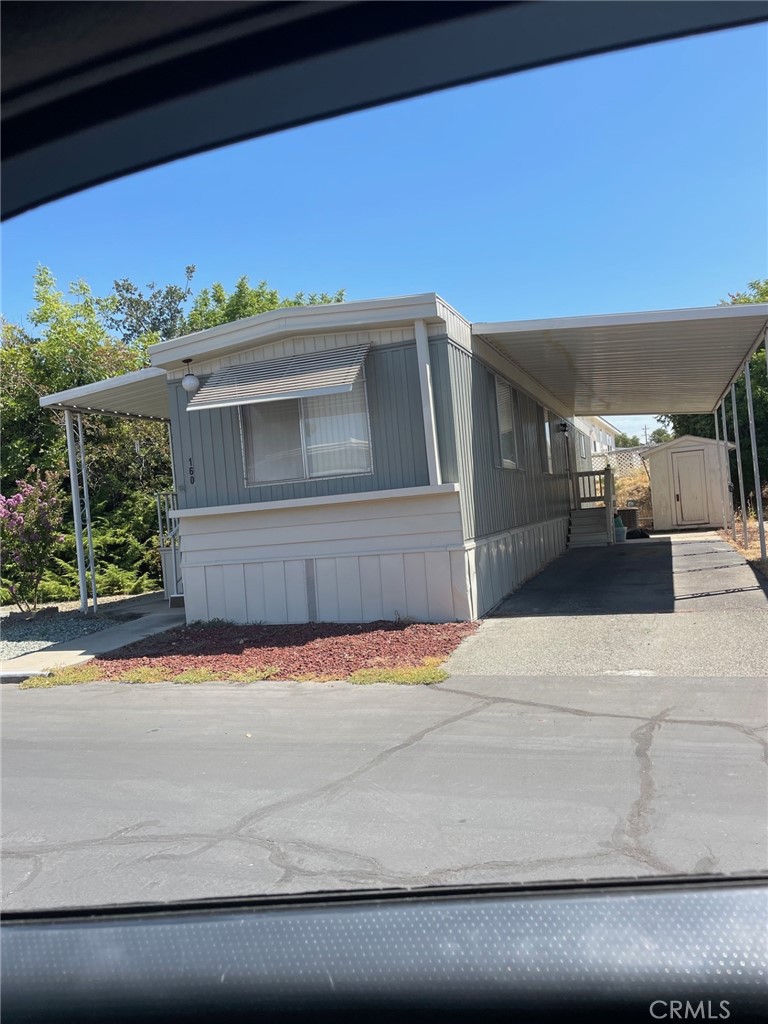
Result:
[{"x": 619, "y": 530}]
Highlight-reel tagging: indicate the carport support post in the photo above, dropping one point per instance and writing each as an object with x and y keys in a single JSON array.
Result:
[
  {"x": 755, "y": 466},
  {"x": 74, "y": 483},
  {"x": 87, "y": 503},
  {"x": 727, "y": 459},
  {"x": 739, "y": 469},
  {"x": 722, "y": 472}
]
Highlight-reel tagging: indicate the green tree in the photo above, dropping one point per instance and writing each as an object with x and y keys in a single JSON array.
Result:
[
  {"x": 74, "y": 338},
  {"x": 627, "y": 441},
  {"x": 215, "y": 305},
  {"x": 659, "y": 436},
  {"x": 704, "y": 426}
]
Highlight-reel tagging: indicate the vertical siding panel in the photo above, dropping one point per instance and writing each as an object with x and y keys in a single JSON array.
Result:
[
  {"x": 327, "y": 592},
  {"x": 439, "y": 593},
  {"x": 256, "y": 609},
  {"x": 195, "y": 594},
  {"x": 416, "y": 603},
  {"x": 460, "y": 588},
  {"x": 215, "y": 590},
  {"x": 296, "y": 591},
  {"x": 348, "y": 588},
  {"x": 234, "y": 593},
  {"x": 370, "y": 587},
  {"x": 275, "y": 601},
  {"x": 212, "y": 439},
  {"x": 496, "y": 499},
  {"x": 393, "y": 586}
]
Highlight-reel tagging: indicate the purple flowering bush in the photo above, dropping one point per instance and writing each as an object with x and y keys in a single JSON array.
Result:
[{"x": 30, "y": 529}]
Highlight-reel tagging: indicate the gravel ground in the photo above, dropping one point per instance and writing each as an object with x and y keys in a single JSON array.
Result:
[{"x": 17, "y": 638}]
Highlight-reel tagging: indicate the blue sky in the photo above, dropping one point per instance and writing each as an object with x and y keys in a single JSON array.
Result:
[{"x": 636, "y": 180}]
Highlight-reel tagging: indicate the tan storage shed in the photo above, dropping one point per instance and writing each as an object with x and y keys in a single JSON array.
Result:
[{"x": 687, "y": 491}]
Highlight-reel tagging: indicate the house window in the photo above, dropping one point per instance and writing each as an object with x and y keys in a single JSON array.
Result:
[
  {"x": 582, "y": 446},
  {"x": 546, "y": 450},
  {"x": 307, "y": 438},
  {"x": 505, "y": 410}
]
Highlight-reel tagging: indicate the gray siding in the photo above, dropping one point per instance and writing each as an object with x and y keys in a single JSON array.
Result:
[
  {"x": 494, "y": 499},
  {"x": 445, "y": 426},
  {"x": 211, "y": 440}
]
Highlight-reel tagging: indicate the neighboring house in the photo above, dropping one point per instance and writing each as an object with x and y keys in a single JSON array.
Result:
[
  {"x": 599, "y": 433},
  {"x": 383, "y": 459}
]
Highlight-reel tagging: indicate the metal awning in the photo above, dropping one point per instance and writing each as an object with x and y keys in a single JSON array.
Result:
[
  {"x": 308, "y": 375},
  {"x": 669, "y": 361},
  {"x": 141, "y": 394}
]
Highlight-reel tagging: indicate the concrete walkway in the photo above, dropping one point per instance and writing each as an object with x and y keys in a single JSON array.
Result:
[
  {"x": 153, "y": 616},
  {"x": 675, "y": 605}
]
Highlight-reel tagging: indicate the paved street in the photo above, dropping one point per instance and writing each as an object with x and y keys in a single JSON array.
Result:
[
  {"x": 120, "y": 793},
  {"x": 559, "y": 748}
]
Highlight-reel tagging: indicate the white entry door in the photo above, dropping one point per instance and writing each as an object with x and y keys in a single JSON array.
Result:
[{"x": 690, "y": 483}]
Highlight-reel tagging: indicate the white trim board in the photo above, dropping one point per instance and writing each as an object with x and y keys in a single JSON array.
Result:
[{"x": 326, "y": 499}]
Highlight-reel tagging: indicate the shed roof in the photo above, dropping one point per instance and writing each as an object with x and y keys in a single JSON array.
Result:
[
  {"x": 667, "y": 361},
  {"x": 676, "y": 442}
]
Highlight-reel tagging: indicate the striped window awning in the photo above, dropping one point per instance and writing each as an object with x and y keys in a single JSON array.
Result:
[{"x": 310, "y": 375}]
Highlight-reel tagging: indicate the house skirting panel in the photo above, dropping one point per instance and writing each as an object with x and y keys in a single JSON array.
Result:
[
  {"x": 353, "y": 558},
  {"x": 426, "y": 585},
  {"x": 501, "y": 562},
  {"x": 395, "y": 555}
]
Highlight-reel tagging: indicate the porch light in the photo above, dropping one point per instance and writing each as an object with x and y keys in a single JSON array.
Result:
[
  {"x": 563, "y": 427},
  {"x": 190, "y": 382}
]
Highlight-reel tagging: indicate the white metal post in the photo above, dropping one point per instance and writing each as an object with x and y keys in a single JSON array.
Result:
[
  {"x": 755, "y": 465},
  {"x": 75, "y": 488},
  {"x": 727, "y": 458},
  {"x": 87, "y": 505},
  {"x": 722, "y": 473},
  {"x": 427, "y": 401},
  {"x": 739, "y": 468}
]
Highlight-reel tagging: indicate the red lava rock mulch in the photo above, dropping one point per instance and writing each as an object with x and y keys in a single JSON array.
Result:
[{"x": 326, "y": 649}]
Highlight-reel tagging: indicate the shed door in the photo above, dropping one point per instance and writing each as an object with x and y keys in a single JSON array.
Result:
[{"x": 689, "y": 480}]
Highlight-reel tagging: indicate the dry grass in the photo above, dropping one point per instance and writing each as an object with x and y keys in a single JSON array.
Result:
[
  {"x": 72, "y": 676},
  {"x": 426, "y": 673},
  {"x": 752, "y": 551},
  {"x": 635, "y": 487}
]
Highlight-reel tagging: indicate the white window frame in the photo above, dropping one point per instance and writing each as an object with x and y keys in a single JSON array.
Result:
[
  {"x": 506, "y": 463},
  {"x": 305, "y": 462},
  {"x": 548, "y": 461},
  {"x": 582, "y": 446}
]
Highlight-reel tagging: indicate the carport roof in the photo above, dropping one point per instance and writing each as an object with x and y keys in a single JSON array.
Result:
[
  {"x": 142, "y": 394},
  {"x": 667, "y": 361}
]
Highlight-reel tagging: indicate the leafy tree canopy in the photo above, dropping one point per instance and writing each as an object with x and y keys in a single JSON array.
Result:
[
  {"x": 627, "y": 441},
  {"x": 660, "y": 436},
  {"x": 74, "y": 337}
]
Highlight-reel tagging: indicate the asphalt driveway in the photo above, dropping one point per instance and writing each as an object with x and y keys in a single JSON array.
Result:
[{"x": 677, "y": 605}]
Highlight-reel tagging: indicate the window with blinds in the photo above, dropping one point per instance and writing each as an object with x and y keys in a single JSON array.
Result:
[
  {"x": 506, "y": 423},
  {"x": 307, "y": 438}
]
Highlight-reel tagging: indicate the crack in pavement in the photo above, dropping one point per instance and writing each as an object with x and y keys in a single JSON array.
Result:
[
  {"x": 745, "y": 730},
  {"x": 126, "y": 836},
  {"x": 629, "y": 837}
]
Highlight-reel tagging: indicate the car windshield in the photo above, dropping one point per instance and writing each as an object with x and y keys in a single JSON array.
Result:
[{"x": 383, "y": 499}]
